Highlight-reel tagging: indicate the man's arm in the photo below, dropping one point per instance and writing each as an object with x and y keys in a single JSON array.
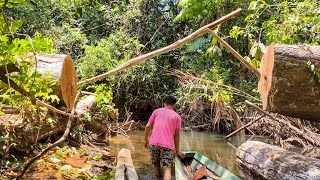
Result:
[
  {"x": 177, "y": 140},
  {"x": 176, "y": 144},
  {"x": 146, "y": 134}
]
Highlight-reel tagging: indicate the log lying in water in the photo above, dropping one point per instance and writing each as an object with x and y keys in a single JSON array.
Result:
[
  {"x": 292, "y": 93},
  {"x": 85, "y": 105},
  {"x": 258, "y": 160},
  {"x": 125, "y": 168}
]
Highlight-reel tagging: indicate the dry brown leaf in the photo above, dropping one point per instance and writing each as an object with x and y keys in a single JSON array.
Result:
[
  {"x": 78, "y": 162},
  {"x": 68, "y": 82},
  {"x": 266, "y": 69}
]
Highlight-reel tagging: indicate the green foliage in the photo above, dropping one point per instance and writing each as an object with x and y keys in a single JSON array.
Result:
[
  {"x": 107, "y": 54},
  {"x": 283, "y": 22},
  {"x": 95, "y": 19},
  {"x": 106, "y": 175},
  {"x": 104, "y": 97},
  {"x": 100, "y": 35},
  {"x": 193, "y": 9},
  {"x": 314, "y": 73},
  {"x": 13, "y": 46},
  {"x": 69, "y": 41},
  {"x": 200, "y": 42}
]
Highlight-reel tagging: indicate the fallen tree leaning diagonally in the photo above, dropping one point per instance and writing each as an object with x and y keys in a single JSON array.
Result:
[{"x": 137, "y": 60}]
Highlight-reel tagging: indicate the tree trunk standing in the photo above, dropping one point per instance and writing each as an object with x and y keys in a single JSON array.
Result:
[
  {"x": 258, "y": 160},
  {"x": 292, "y": 93}
]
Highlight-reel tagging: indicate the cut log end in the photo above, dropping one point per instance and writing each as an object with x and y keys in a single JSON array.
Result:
[{"x": 292, "y": 93}]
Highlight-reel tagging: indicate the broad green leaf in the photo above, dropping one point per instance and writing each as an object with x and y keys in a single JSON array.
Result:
[
  {"x": 2, "y": 139},
  {"x": 255, "y": 63},
  {"x": 253, "y": 51},
  {"x": 17, "y": 1},
  {"x": 9, "y": 5},
  {"x": 60, "y": 153},
  {"x": 253, "y": 5},
  {"x": 262, "y": 48}
]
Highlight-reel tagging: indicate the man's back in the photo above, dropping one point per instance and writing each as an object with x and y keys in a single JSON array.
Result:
[{"x": 165, "y": 123}]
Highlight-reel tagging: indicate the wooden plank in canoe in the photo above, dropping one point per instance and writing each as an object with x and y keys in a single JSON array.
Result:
[
  {"x": 196, "y": 161},
  {"x": 125, "y": 168}
]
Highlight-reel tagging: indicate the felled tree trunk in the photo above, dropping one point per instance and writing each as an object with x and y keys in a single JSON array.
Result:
[
  {"x": 84, "y": 107},
  {"x": 51, "y": 64},
  {"x": 258, "y": 160},
  {"x": 292, "y": 93}
]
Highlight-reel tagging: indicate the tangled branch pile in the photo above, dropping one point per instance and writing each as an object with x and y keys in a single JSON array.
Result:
[
  {"x": 288, "y": 131},
  {"x": 207, "y": 105}
]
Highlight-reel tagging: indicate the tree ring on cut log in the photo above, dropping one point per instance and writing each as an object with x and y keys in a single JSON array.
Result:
[{"x": 68, "y": 82}]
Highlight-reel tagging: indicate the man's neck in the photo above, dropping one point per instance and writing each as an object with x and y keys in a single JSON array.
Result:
[{"x": 168, "y": 106}]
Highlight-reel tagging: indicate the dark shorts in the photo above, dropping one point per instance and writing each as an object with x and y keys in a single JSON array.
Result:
[{"x": 161, "y": 155}]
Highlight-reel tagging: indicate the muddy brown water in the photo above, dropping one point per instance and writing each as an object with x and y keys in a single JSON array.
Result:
[{"x": 209, "y": 144}]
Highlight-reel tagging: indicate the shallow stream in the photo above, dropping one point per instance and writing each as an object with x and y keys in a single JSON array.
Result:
[{"x": 207, "y": 143}]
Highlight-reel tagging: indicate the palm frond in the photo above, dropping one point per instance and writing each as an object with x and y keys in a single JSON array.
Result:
[{"x": 200, "y": 43}]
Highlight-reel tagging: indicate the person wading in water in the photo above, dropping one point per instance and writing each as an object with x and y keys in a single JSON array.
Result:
[{"x": 165, "y": 124}]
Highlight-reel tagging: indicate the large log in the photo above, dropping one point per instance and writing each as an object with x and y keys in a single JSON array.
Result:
[
  {"x": 125, "y": 168},
  {"x": 292, "y": 93},
  {"x": 258, "y": 160},
  {"x": 50, "y": 64}
]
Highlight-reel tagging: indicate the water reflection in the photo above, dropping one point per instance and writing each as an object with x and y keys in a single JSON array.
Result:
[{"x": 207, "y": 143}]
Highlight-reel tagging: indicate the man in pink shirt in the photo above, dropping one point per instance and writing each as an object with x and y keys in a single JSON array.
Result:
[{"x": 165, "y": 124}]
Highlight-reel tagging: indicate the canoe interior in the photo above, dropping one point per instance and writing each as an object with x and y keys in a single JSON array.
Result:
[{"x": 193, "y": 161}]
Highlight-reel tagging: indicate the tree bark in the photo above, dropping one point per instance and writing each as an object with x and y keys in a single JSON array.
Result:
[
  {"x": 292, "y": 93},
  {"x": 258, "y": 160}
]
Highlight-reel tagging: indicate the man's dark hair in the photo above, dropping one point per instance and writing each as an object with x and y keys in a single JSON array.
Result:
[{"x": 170, "y": 100}]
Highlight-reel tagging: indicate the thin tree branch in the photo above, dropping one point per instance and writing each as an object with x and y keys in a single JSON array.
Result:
[
  {"x": 241, "y": 128},
  {"x": 235, "y": 53}
]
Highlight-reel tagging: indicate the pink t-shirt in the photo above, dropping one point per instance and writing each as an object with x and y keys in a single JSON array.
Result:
[{"x": 165, "y": 123}]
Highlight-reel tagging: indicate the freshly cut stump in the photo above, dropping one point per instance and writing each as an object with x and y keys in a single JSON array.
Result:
[{"x": 258, "y": 160}]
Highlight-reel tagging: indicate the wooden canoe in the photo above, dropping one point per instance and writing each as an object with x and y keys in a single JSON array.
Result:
[
  {"x": 193, "y": 163},
  {"x": 125, "y": 169}
]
